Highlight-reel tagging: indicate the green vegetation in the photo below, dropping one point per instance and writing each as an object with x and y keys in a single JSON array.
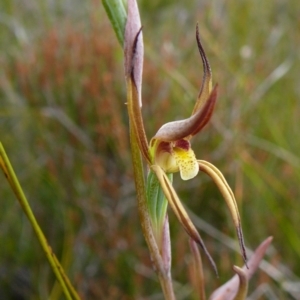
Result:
[{"x": 64, "y": 126}]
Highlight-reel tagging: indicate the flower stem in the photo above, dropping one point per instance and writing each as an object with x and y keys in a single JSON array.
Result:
[{"x": 163, "y": 274}]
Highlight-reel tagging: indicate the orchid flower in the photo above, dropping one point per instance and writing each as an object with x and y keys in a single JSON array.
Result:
[{"x": 170, "y": 149}]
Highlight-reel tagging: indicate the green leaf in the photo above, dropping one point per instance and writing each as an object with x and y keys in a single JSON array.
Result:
[
  {"x": 156, "y": 201},
  {"x": 117, "y": 14}
]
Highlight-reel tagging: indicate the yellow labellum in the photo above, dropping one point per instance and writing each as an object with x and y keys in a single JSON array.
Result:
[{"x": 186, "y": 162}]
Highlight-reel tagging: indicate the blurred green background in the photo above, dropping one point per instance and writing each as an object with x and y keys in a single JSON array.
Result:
[{"x": 64, "y": 125}]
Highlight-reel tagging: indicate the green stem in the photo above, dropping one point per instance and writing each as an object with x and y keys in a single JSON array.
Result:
[
  {"x": 163, "y": 274},
  {"x": 54, "y": 263}
]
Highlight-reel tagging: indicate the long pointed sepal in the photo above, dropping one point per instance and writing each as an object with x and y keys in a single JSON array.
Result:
[
  {"x": 174, "y": 131},
  {"x": 180, "y": 211},
  {"x": 206, "y": 85},
  {"x": 229, "y": 198}
]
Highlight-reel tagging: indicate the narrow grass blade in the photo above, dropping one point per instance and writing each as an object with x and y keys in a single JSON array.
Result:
[{"x": 58, "y": 270}]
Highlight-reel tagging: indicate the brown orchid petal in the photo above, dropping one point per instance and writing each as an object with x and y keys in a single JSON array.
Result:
[
  {"x": 229, "y": 290},
  {"x": 134, "y": 47},
  {"x": 179, "y": 210},
  {"x": 206, "y": 85},
  {"x": 229, "y": 198},
  {"x": 177, "y": 130}
]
